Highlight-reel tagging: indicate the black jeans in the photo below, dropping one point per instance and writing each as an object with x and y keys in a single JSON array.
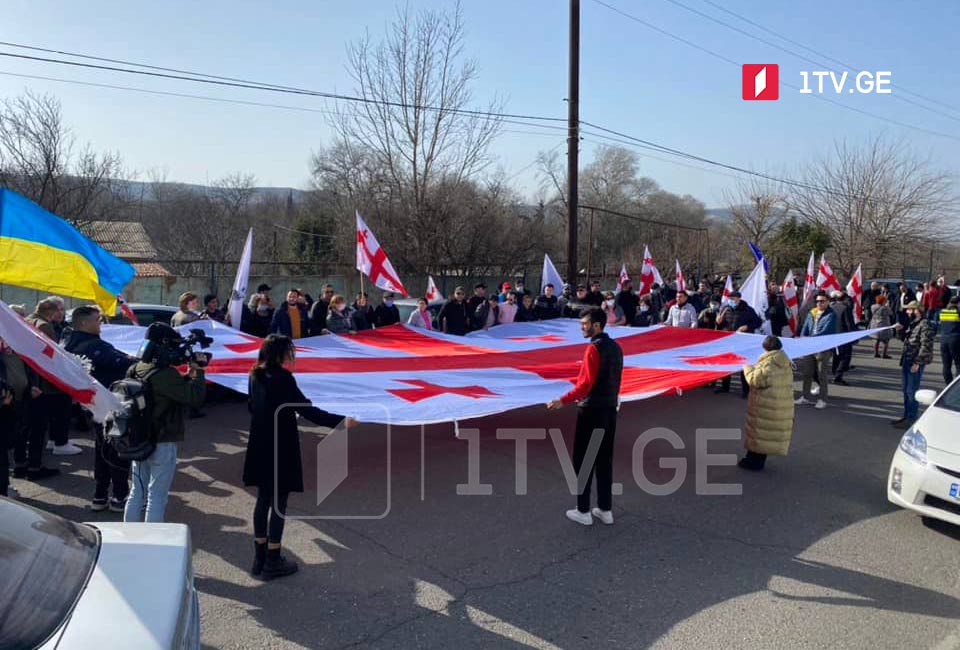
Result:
[
  {"x": 589, "y": 419},
  {"x": 109, "y": 470},
  {"x": 842, "y": 357},
  {"x": 265, "y": 506},
  {"x": 755, "y": 460},
  {"x": 50, "y": 412},
  {"x": 950, "y": 356},
  {"x": 744, "y": 386}
]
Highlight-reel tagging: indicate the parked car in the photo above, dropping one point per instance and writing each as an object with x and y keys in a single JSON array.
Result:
[
  {"x": 925, "y": 472},
  {"x": 145, "y": 313},
  {"x": 408, "y": 305},
  {"x": 98, "y": 585}
]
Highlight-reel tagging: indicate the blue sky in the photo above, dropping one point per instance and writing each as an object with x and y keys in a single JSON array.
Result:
[{"x": 633, "y": 79}]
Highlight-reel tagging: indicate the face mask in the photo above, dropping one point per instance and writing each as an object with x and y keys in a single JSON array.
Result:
[
  {"x": 341, "y": 307},
  {"x": 388, "y": 303},
  {"x": 611, "y": 303},
  {"x": 734, "y": 303},
  {"x": 714, "y": 306},
  {"x": 262, "y": 309},
  {"x": 644, "y": 308}
]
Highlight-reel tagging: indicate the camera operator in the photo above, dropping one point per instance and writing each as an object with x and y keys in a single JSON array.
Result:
[
  {"x": 162, "y": 351},
  {"x": 109, "y": 365}
]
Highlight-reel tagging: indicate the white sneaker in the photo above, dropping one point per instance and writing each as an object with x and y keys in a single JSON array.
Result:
[
  {"x": 820, "y": 404},
  {"x": 815, "y": 391},
  {"x": 68, "y": 449},
  {"x": 605, "y": 516},
  {"x": 580, "y": 517},
  {"x": 800, "y": 401}
]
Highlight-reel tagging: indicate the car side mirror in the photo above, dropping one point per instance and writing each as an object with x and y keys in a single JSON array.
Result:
[{"x": 926, "y": 396}]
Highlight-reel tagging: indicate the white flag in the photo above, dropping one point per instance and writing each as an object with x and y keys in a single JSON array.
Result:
[
  {"x": 60, "y": 368},
  {"x": 550, "y": 275},
  {"x": 432, "y": 292},
  {"x": 239, "y": 292},
  {"x": 372, "y": 260},
  {"x": 623, "y": 277},
  {"x": 754, "y": 292},
  {"x": 810, "y": 282}
]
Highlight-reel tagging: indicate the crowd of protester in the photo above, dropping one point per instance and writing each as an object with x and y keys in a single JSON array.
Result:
[{"x": 35, "y": 417}]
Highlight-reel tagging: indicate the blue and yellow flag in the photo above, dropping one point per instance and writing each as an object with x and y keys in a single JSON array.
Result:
[{"x": 41, "y": 251}]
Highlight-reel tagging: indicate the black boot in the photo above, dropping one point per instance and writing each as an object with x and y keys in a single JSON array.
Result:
[
  {"x": 260, "y": 556},
  {"x": 277, "y": 566}
]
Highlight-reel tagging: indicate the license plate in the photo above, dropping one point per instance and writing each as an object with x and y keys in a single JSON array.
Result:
[{"x": 955, "y": 490}]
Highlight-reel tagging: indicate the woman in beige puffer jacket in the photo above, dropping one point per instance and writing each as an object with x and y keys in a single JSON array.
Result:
[{"x": 770, "y": 406}]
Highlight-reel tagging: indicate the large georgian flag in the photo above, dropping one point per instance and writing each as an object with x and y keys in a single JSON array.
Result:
[
  {"x": 372, "y": 260},
  {"x": 408, "y": 376},
  {"x": 826, "y": 278}
]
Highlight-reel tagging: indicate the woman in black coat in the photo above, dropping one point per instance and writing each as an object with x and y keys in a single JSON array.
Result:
[{"x": 272, "y": 385}]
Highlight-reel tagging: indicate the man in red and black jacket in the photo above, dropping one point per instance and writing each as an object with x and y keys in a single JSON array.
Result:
[{"x": 598, "y": 391}]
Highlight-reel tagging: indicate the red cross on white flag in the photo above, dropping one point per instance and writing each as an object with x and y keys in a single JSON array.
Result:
[
  {"x": 681, "y": 281},
  {"x": 727, "y": 290},
  {"x": 648, "y": 273},
  {"x": 826, "y": 278},
  {"x": 372, "y": 261},
  {"x": 810, "y": 282},
  {"x": 855, "y": 291},
  {"x": 432, "y": 292},
  {"x": 623, "y": 277},
  {"x": 791, "y": 302}
]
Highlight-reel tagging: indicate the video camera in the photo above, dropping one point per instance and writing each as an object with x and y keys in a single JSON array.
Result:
[{"x": 165, "y": 346}]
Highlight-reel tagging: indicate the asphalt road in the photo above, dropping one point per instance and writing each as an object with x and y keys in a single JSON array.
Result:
[{"x": 810, "y": 555}]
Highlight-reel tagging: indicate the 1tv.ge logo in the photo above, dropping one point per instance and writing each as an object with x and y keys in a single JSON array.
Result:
[{"x": 761, "y": 81}]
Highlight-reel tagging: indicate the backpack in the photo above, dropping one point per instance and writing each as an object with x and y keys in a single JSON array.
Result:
[{"x": 130, "y": 430}]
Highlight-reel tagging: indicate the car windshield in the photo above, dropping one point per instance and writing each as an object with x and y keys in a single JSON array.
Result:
[
  {"x": 950, "y": 399},
  {"x": 46, "y": 563}
]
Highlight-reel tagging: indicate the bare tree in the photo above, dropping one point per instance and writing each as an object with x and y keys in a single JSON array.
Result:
[
  {"x": 38, "y": 159},
  {"x": 418, "y": 84},
  {"x": 757, "y": 207},
  {"x": 874, "y": 200}
]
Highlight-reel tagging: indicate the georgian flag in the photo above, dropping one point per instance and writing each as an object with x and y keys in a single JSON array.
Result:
[
  {"x": 408, "y": 376},
  {"x": 809, "y": 282},
  {"x": 681, "y": 281},
  {"x": 63, "y": 370},
  {"x": 373, "y": 262},
  {"x": 791, "y": 302},
  {"x": 648, "y": 273},
  {"x": 623, "y": 277},
  {"x": 432, "y": 292},
  {"x": 855, "y": 291},
  {"x": 727, "y": 290},
  {"x": 826, "y": 278}
]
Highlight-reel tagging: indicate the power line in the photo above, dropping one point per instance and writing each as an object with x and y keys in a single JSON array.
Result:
[
  {"x": 821, "y": 54},
  {"x": 788, "y": 85},
  {"x": 255, "y": 85}
]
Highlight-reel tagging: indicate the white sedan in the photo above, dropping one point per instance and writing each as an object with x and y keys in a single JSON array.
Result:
[
  {"x": 925, "y": 472},
  {"x": 94, "y": 586}
]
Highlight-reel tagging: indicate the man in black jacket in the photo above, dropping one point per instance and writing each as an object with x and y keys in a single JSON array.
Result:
[
  {"x": 386, "y": 312},
  {"x": 453, "y": 317},
  {"x": 291, "y": 318},
  {"x": 598, "y": 391},
  {"x": 319, "y": 310},
  {"x": 109, "y": 365},
  {"x": 478, "y": 298},
  {"x": 843, "y": 308},
  {"x": 628, "y": 301},
  {"x": 547, "y": 306},
  {"x": 737, "y": 316}
]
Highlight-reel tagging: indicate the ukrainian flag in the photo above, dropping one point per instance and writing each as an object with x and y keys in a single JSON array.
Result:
[{"x": 40, "y": 250}]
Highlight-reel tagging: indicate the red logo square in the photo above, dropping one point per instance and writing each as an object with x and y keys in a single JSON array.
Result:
[{"x": 761, "y": 81}]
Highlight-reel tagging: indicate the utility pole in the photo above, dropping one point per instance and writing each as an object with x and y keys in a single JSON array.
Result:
[{"x": 573, "y": 141}]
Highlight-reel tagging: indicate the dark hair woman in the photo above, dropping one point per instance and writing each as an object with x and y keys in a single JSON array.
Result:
[{"x": 273, "y": 386}]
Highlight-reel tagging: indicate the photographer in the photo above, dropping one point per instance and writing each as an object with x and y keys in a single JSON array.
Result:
[
  {"x": 272, "y": 463},
  {"x": 162, "y": 351},
  {"x": 109, "y": 365}
]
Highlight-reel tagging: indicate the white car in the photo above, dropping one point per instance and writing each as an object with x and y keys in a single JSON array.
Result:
[
  {"x": 93, "y": 586},
  {"x": 925, "y": 472}
]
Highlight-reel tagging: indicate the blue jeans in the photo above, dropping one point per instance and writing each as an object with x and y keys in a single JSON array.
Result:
[
  {"x": 911, "y": 384},
  {"x": 151, "y": 484}
]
